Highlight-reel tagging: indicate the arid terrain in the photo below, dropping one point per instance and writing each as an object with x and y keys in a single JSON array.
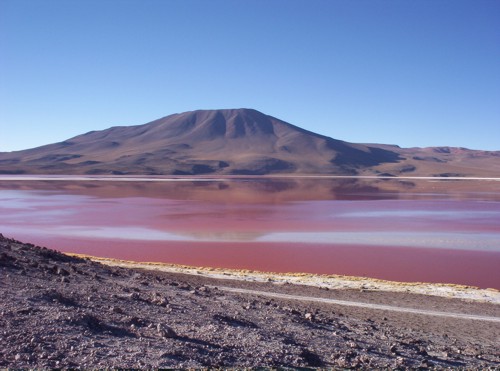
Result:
[
  {"x": 238, "y": 142},
  {"x": 65, "y": 311}
]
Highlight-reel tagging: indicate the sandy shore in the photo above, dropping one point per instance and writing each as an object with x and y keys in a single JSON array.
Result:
[
  {"x": 330, "y": 282},
  {"x": 61, "y": 311}
]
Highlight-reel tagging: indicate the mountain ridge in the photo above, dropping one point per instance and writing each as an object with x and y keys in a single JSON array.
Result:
[{"x": 235, "y": 142}]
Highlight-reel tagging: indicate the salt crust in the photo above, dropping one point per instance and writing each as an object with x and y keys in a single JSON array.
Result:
[{"x": 331, "y": 282}]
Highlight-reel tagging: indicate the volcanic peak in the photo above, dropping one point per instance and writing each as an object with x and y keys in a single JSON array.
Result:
[{"x": 233, "y": 141}]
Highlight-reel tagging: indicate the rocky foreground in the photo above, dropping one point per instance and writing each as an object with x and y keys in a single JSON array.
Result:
[{"x": 67, "y": 312}]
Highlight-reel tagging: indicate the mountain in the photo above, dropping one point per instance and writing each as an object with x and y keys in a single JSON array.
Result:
[{"x": 236, "y": 142}]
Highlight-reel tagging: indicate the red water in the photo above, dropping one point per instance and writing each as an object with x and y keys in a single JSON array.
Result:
[
  {"x": 477, "y": 268},
  {"x": 290, "y": 228}
]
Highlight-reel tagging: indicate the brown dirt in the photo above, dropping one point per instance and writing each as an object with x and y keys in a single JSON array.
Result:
[{"x": 61, "y": 311}]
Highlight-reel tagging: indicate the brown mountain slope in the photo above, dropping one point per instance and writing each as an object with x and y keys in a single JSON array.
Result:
[
  {"x": 234, "y": 141},
  {"x": 443, "y": 161}
]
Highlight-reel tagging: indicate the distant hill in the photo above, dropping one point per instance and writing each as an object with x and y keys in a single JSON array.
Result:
[{"x": 237, "y": 142}]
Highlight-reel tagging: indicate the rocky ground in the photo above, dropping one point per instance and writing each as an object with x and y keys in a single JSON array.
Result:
[{"x": 68, "y": 312}]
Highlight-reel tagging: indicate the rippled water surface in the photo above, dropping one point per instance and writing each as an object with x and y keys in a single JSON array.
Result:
[{"x": 406, "y": 230}]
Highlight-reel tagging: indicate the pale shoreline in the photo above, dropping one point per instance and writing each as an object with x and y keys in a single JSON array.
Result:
[
  {"x": 208, "y": 178},
  {"x": 323, "y": 281},
  {"x": 61, "y": 312},
  {"x": 327, "y": 282}
]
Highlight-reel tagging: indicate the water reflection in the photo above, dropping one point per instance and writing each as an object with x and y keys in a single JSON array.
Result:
[
  {"x": 231, "y": 190},
  {"x": 261, "y": 189},
  {"x": 376, "y": 227}
]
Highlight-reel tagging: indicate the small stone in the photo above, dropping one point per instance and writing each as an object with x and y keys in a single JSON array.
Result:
[
  {"x": 165, "y": 331},
  {"x": 162, "y": 302},
  {"x": 117, "y": 310},
  {"x": 135, "y": 320},
  {"x": 62, "y": 272},
  {"x": 425, "y": 363},
  {"x": 352, "y": 344},
  {"x": 309, "y": 316},
  {"x": 422, "y": 351},
  {"x": 134, "y": 296},
  {"x": 18, "y": 357}
]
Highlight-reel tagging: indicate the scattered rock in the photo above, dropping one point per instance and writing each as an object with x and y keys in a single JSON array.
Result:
[
  {"x": 352, "y": 344},
  {"x": 165, "y": 331},
  {"x": 311, "y": 359},
  {"x": 62, "y": 272},
  {"x": 134, "y": 296},
  {"x": 393, "y": 349},
  {"x": 309, "y": 316},
  {"x": 425, "y": 364},
  {"x": 117, "y": 310},
  {"x": 422, "y": 351},
  {"x": 72, "y": 313},
  {"x": 400, "y": 361}
]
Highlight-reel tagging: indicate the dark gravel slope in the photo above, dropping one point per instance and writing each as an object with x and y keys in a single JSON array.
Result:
[{"x": 60, "y": 311}]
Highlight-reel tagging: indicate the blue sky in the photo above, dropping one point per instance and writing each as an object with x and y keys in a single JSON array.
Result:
[{"x": 413, "y": 73}]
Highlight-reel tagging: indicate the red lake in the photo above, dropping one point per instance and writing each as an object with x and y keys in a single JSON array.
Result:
[{"x": 425, "y": 230}]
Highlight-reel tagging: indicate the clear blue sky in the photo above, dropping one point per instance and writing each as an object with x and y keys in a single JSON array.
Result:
[{"x": 407, "y": 72}]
